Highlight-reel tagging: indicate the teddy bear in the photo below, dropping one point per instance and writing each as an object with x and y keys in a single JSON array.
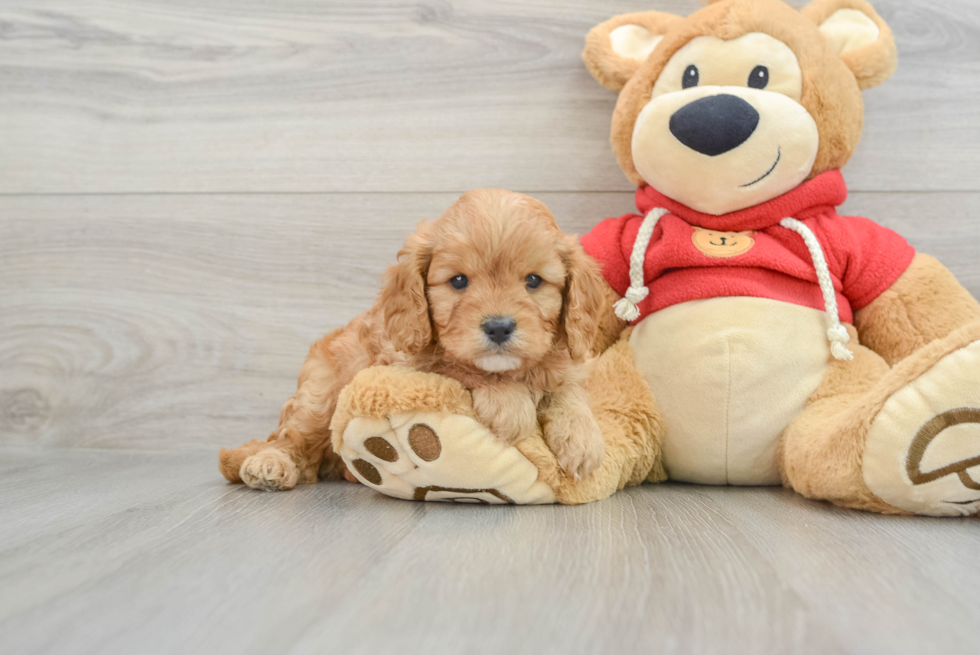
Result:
[{"x": 753, "y": 335}]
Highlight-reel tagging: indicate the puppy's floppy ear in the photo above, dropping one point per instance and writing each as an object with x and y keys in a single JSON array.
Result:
[
  {"x": 582, "y": 301},
  {"x": 403, "y": 299},
  {"x": 859, "y": 36},
  {"x": 614, "y": 50}
]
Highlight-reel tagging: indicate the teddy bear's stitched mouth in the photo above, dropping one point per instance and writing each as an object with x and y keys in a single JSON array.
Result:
[{"x": 779, "y": 155}]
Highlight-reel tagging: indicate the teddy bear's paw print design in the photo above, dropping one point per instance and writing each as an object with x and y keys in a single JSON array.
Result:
[
  {"x": 923, "y": 448},
  {"x": 440, "y": 457}
]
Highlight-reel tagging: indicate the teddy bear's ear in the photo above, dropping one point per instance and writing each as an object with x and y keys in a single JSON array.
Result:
[
  {"x": 859, "y": 36},
  {"x": 614, "y": 50}
]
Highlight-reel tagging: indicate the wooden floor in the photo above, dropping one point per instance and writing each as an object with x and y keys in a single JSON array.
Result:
[
  {"x": 193, "y": 191},
  {"x": 140, "y": 552}
]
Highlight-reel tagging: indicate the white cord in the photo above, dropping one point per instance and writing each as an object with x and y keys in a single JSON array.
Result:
[
  {"x": 626, "y": 307},
  {"x": 836, "y": 333}
]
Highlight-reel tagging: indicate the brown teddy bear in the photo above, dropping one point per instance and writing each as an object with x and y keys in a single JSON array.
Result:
[{"x": 783, "y": 343}]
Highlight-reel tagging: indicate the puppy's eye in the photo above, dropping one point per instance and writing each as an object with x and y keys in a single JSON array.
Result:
[
  {"x": 459, "y": 282},
  {"x": 692, "y": 76},
  {"x": 759, "y": 77},
  {"x": 533, "y": 281}
]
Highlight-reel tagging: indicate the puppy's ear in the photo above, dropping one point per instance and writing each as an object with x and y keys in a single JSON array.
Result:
[
  {"x": 859, "y": 36},
  {"x": 403, "y": 299},
  {"x": 614, "y": 50},
  {"x": 583, "y": 298}
]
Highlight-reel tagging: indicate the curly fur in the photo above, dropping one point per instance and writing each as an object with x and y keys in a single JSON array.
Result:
[{"x": 496, "y": 238}]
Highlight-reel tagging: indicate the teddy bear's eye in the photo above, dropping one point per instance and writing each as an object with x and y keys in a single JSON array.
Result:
[
  {"x": 691, "y": 77},
  {"x": 759, "y": 77},
  {"x": 459, "y": 282}
]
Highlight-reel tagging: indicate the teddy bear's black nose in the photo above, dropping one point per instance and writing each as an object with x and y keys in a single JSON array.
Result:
[
  {"x": 499, "y": 328},
  {"x": 714, "y": 125}
]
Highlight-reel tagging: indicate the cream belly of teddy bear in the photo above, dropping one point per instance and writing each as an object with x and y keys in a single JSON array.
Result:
[{"x": 730, "y": 374}]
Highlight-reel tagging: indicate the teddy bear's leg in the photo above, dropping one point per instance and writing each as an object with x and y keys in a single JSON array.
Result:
[
  {"x": 820, "y": 451},
  {"x": 414, "y": 435},
  {"x": 899, "y": 440}
]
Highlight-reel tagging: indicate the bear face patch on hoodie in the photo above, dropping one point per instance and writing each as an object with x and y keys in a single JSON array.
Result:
[{"x": 751, "y": 252}]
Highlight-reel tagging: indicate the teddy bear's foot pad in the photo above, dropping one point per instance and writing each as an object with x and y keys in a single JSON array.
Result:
[
  {"x": 439, "y": 456},
  {"x": 923, "y": 448}
]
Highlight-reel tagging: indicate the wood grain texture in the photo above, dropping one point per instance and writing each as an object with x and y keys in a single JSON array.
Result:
[
  {"x": 354, "y": 95},
  {"x": 151, "y": 553},
  {"x": 181, "y": 321},
  {"x": 191, "y": 192},
  {"x": 175, "y": 322}
]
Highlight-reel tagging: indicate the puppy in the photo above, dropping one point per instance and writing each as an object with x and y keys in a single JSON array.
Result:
[{"x": 491, "y": 294}]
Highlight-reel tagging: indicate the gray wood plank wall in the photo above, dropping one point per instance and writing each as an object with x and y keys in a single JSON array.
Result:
[{"x": 191, "y": 192}]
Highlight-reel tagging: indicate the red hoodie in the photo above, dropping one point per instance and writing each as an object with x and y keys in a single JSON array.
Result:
[{"x": 684, "y": 262}]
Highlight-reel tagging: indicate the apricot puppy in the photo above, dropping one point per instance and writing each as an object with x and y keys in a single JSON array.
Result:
[{"x": 491, "y": 294}]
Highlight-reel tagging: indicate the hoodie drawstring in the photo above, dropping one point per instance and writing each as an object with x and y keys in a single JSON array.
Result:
[
  {"x": 836, "y": 333},
  {"x": 627, "y": 307}
]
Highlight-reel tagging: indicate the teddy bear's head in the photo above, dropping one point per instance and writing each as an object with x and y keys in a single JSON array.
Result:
[{"x": 741, "y": 101}]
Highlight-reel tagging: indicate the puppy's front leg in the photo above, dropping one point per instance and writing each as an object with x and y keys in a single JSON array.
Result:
[
  {"x": 572, "y": 432},
  {"x": 299, "y": 449},
  {"x": 508, "y": 409}
]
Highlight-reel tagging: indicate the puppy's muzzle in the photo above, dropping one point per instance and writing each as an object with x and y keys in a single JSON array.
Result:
[{"x": 499, "y": 329}]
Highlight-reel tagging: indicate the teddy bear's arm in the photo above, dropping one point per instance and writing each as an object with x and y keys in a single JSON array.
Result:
[{"x": 925, "y": 303}]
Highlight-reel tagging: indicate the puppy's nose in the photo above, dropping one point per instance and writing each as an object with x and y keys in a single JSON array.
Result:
[
  {"x": 499, "y": 328},
  {"x": 714, "y": 125}
]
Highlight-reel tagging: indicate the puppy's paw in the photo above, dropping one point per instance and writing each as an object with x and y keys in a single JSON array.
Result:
[
  {"x": 575, "y": 438},
  {"x": 270, "y": 470},
  {"x": 511, "y": 430},
  {"x": 508, "y": 411}
]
